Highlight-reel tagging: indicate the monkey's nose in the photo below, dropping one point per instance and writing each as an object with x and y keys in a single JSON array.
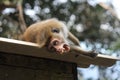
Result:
[{"x": 66, "y": 47}]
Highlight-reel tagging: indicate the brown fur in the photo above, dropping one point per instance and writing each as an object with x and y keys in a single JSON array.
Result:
[{"x": 42, "y": 34}]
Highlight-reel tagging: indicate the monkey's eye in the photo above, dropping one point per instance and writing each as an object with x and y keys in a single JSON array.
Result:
[
  {"x": 55, "y": 30},
  {"x": 55, "y": 42}
]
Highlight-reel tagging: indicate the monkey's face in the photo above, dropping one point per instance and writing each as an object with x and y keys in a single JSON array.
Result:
[
  {"x": 58, "y": 46},
  {"x": 57, "y": 42}
]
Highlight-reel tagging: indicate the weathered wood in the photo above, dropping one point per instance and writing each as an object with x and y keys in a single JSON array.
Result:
[
  {"x": 31, "y": 49},
  {"x": 20, "y": 67}
]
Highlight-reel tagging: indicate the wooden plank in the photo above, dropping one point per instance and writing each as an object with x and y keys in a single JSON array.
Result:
[{"x": 32, "y": 49}]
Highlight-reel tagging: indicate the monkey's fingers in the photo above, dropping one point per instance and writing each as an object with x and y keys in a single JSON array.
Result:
[{"x": 92, "y": 54}]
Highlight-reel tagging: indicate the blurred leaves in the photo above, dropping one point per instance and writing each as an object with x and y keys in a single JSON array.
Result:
[
  {"x": 88, "y": 23},
  {"x": 116, "y": 45}
]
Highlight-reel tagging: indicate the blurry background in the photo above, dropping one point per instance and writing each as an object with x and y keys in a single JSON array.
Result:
[{"x": 95, "y": 22}]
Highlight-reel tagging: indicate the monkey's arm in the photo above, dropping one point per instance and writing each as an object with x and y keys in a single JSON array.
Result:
[
  {"x": 78, "y": 49},
  {"x": 73, "y": 39}
]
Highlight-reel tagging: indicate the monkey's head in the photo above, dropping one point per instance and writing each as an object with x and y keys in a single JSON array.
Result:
[{"x": 49, "y": 33}]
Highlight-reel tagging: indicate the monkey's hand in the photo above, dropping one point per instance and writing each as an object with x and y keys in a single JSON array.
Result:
[
  {"x": 78, "y": 49},
  {"x": 92, "y": 53}
]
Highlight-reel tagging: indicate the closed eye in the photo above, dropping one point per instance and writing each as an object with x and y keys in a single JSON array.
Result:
[{"x": 55, "y": 30}]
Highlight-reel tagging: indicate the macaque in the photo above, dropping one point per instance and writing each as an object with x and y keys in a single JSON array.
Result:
[{"x": 54, "y": 35}]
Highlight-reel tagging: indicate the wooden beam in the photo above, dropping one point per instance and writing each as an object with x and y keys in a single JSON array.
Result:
[{"x": 31, "y": 49}]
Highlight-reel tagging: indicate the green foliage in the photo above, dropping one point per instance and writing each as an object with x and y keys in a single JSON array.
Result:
[{"x": 116, "y": 45}]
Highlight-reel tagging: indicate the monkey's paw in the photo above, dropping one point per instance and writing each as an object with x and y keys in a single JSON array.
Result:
[{"x": 92, "y": 54}]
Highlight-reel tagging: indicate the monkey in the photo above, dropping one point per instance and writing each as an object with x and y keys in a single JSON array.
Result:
[{"x": 54, "y": 35}]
